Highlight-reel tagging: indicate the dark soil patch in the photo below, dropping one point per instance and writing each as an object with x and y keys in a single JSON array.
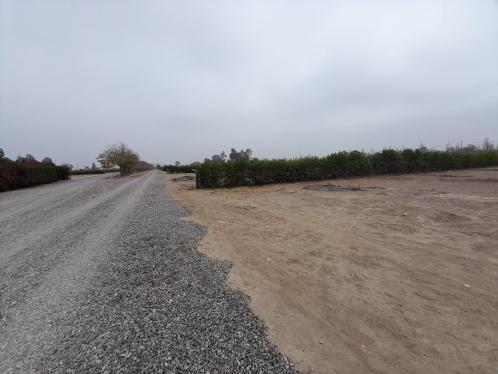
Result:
[{"x": 333, "y": 187}]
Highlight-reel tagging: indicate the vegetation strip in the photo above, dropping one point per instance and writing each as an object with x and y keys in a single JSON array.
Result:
[
  {"x": 27, "y": 172},
  {"x": 247, "y": 172}
]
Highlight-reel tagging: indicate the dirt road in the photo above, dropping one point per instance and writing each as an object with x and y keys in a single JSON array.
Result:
[{"x": 101, "y": 274}]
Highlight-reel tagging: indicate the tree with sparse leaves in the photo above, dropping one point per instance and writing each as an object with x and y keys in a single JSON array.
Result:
[
  {"x": 119, "y": 155},
  {"x": 487, "y": 145},
  {"x": 241, "y": 155}
]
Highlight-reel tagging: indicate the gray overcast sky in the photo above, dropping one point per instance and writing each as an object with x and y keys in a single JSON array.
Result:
[{"x": 181, "y": 80}]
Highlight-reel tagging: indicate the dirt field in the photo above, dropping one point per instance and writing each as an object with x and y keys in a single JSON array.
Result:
[{"x": 399, "y": 277}]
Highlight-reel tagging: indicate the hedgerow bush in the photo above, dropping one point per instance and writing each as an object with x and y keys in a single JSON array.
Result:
[
  {"x": 8, "y": 174},
  {"x": 94, "y": 171},
  {"x": 337, "y": 165},
  {"x": 63, "y": 172},
  {"x": 31, "y": 173},
  {"x": 26, "y": 173},
  {"x": 179, "y": 168},
  {"x": 87, "y": 171}
]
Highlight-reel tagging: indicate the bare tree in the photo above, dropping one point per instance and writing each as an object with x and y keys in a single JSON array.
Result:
[
  {"x": 2, "y": 154},
  {"x": 118, "y": 155},
  {"x": 47, "y": 160}
]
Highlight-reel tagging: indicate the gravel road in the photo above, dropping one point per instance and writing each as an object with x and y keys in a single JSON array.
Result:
[{"x": 102, "y": 274}]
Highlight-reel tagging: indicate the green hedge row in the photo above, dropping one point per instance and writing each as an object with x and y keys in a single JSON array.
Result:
[
  {"x": 337, "y": 165},
  {"x": 179, "y": 168},
  {"x": 93, "y": 171},
  {"x": 87, "y": 171},
  {"x": 14, "y": 174},
  {"x": 63, "y": 172}
]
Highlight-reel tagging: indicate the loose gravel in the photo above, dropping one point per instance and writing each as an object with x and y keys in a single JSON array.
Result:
[{"x": 112, "y": 282}]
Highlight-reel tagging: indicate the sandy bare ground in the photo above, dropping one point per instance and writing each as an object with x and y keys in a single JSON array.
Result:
[{"x": 401, "y": 277}]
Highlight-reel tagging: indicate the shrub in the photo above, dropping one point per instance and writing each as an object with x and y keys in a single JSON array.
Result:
[
  {"x": 63, "y": 172},
  {"x": 29, "y": 172},
  {"x": 178, "y": 168},
  {"x": 8, "y": 174},
  {"x": 90, "y": 171},
  {"x": 337, "y": 165}
]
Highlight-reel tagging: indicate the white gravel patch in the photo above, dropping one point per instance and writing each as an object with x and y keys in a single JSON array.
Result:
[{"x": 107, "y": 278}]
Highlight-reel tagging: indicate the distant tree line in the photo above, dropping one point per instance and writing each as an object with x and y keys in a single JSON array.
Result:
[
  {"x": 220, "y": 158},
  {"x": 178, "y": 168},
  {"x": 89, "y": 171},
  {"x": 26, "y": 171},
  {"x": 243, "y": 170},
  {"x": 242, "y": 155},
  {"x": 486, "y": 145}
]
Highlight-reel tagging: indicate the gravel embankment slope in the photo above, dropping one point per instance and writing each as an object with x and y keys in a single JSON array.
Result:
[{"x": 102, "y": 275}]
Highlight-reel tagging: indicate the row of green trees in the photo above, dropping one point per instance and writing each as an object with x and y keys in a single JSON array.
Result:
[
  {"x": 90, "y": 170},
  {"x": 247, "y": 172}
]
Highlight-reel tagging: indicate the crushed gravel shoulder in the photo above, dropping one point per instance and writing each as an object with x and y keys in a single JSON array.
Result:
[{"x": 103, "y": 275}]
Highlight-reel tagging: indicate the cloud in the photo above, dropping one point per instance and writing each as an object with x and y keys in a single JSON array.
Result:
[{"x": 182, "y": 80}]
